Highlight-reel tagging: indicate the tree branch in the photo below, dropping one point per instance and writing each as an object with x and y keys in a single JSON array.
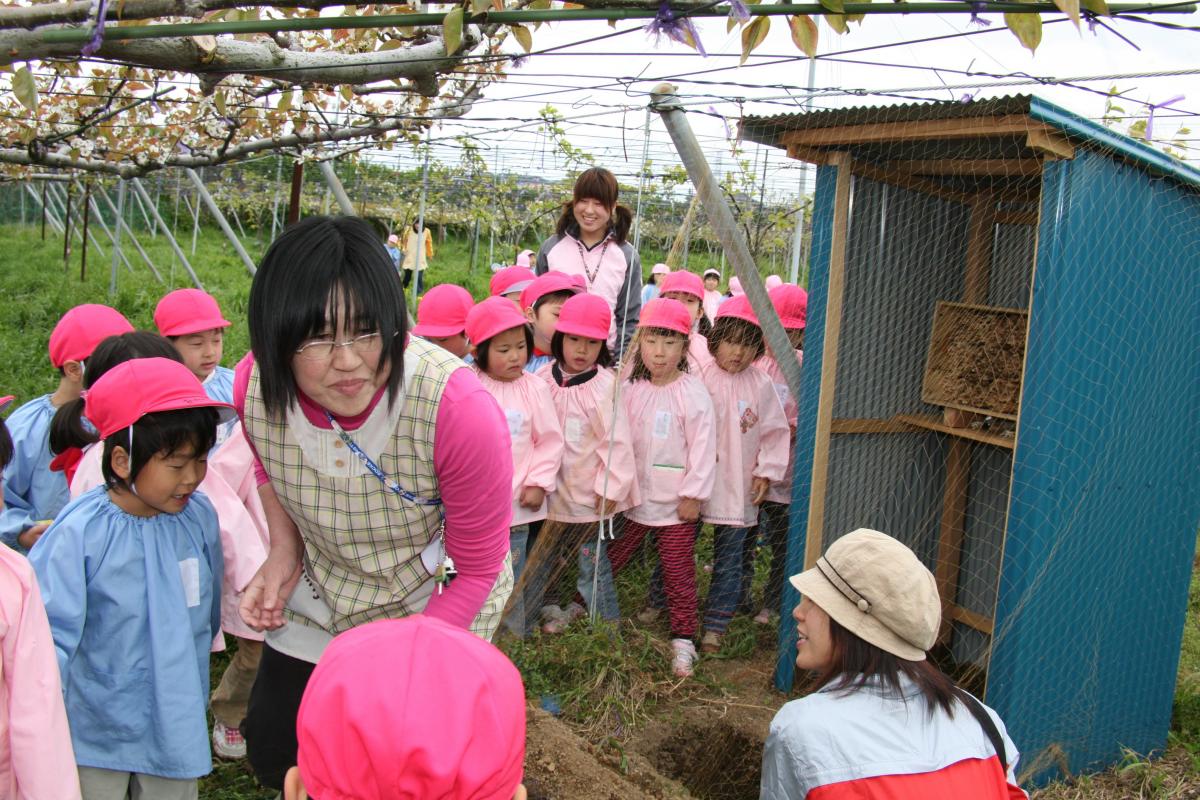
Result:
[{"x": 34, "y": 16}]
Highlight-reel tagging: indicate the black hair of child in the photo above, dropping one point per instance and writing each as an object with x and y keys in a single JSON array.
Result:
[
  {"x": 481, "y": 349},
  {"x": 6, "y": 446},
  {"x": 637, "y": 369},
  {"x": 561, "y": 297},
  {"x": 323, "y": 265},
  {"x": 66, "y": 427},
  {"x": 739, "y": 331},
  {"x": 162, "y": 432},
  {"x": 556, "y": 349},
  {"x": 704, "y": 325}
]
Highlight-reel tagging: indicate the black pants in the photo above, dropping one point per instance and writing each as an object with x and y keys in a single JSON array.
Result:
[{"x": 270, "y": 724}]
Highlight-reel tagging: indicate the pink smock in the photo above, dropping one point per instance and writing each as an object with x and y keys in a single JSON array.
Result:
[
  {"x": 590, "y": 470},
  {"x": 244, "y": 542},
  {"x": 712, "y": 301},
  {"x": 697, "y": 353},
  {"x": 537, "y": 439},
  {"x": 752, "y": 441},
  {"x": 781, "y": 491},
  {"x": 36, "y": 757},
  {"x": 674, "y": 446}
]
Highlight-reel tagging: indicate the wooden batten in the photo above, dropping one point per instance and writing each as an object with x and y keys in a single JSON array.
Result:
[
  {"x": 1050, "y": 143},
  {"x": 995, "y": 167},
  {"x": 965, "y": 128},
  {"x": 896, "y": 177}
]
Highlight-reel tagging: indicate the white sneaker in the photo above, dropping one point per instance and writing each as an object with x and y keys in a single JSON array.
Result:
[
  {"x": 683, "y": 657},
  {"x": 228, "y": 742},
  {"x": 711, "y": 642}
]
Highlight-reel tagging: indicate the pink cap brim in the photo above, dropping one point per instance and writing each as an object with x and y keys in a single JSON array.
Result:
[
  {"x": 575, "y": 329},
  {"x": 437, "y": 331},
  {"x": 196, "y": 326},
  {"x": 5, "y": 402}
]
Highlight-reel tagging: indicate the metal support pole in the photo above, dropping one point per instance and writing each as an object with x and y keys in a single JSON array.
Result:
[
  {"x": 798, "y": 234},
  {"x": 637, "y": 214},
  {"x": 733, "y": 241},
  {"x": 421, "y": 222},
  {"x": 137, "y": 187},
  {"x": 195, "y": 225},
  {"x": 335, "y": 186},
  {"x": 112, "y": 275},
  {"x": 119, "y": 212},
  {"x": 275, "y": 200},
  {"x": 141, "y": 206},
  {"x": 87, "y": 215},
  {"x": 47, "y": 213},
  {"x": 221, "y": 221},
  {"x": 67, "y": 230},
  {"x": 99, "y": 217}
]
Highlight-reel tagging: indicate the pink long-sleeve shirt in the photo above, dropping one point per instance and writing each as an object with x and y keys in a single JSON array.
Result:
[
  {"x": 537, "y": 439},
  {"x": 590, "y": 469},
  {"x": 752, "y": 441},
  {"x": 781, "y": 491},
  {"x": 674, "y": 446},
  {"x": 473, "y": 482},
  {"x": 36, "y": 757},
  {"x": 697, "y": 353}
]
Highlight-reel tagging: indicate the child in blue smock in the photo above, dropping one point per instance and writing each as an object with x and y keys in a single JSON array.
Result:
[
  {"x": 33, "y": 494},
  {"x": 131, "y": 579}
]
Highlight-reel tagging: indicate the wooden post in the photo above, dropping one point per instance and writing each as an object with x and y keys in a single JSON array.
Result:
[
  {"x": 815, "y": 535},
  {"x": 297, "y": 184},
  {"x": 87, "y": 215}
]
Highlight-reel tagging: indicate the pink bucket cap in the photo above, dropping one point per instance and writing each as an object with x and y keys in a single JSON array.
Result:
[
  {"x": 185, "y": 311},
  {"x": 393, "y": 239},
  {"x": 586, "y": 315},
  {"x": 663, "y": 312},
  {"x": 549, "y": 283},
  {"x": 5, "y": 402},
  {"x": 492, "y": 316},
  {"x": 660, "y": 269},
  {"x": 735, "y": 286},
  {"x": 443, "y": 311},
  {"x": 773, "y": 282},
  {"x": 81, "y": 329},
  {"x": 412, "y": 708},
  {"x": 738, "y": 307},
  {"x": 791, "y": 304},
  {"x": 683, "y": 281},
  {"x": 129, "y": 391},
  {"x": 511, "y": 279},
  {"x": 525, "y": 258}
]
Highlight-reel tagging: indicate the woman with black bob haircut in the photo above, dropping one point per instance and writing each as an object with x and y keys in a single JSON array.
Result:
[
  {"x": 869, "y": 613},
  {"x": 481, "y": 349},
  {"x": 373, "y": 505}
]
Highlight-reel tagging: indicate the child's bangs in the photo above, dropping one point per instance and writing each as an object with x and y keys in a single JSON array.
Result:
[{"x": 653, "y": 331}]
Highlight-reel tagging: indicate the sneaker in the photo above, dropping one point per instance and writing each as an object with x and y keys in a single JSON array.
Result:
[
  {"x": 228, "y": 742},
  {"x": 683, "y": 657},
  {"x": 649, "y": 615},
  {"x": 763, "y": 617},
  {"x": 710, "y": 643}
]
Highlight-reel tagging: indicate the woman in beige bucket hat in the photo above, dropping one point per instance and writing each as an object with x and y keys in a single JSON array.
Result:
[{"x": 882, "y": 721}]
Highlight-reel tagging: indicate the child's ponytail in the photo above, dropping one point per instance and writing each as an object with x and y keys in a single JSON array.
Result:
[{"x": 67, "y": 429}]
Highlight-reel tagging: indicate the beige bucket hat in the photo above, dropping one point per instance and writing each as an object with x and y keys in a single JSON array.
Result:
[{"x": 877, "y": 589}]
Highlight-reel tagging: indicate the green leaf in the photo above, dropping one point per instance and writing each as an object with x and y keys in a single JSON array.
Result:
[
  {"x": 837, "y": 22},
  {"x": 753, "y": 35},
  {"x": 452, "y": 30},
  {"x": 479, "y": 6},
  {"x": 1097, "y": 7},
  {"x": 836, "y": 6},
  {"x": 219, "y": 102},
  {"x": 730, "y": 23},
  {"x": 1070, "y": 8},
  {"x": 804, "y": 34},
  {"x": 523, "y": 36},
  {"x": 25, "y": 88},
  {"x": 285, "y": 100},
  {"x": 1027, "y": 28}
]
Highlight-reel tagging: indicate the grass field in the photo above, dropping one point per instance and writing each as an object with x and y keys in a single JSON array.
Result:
[{"x": 38, "y": 289}]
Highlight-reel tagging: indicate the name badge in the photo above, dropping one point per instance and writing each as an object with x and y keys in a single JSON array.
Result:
[
  {"x": 189, "y": 573},
  {"x": 573, "y": 430},
  {"x": 662, "y": 424},
  {"x": 515, "y": 420}
]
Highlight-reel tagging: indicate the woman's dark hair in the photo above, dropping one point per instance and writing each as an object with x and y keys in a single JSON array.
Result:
[
  {"x": 637, "y": 369},
  {"x": 598, "y": 184},
  {"x": 6, "y": 446},
  {"x": 66, "y": 428},
  {"x": 605, "y": 358},
  {"x": 319, "y": 266},
  {"x": 857, "y": 663},
  {"x": 159, "y": 432},
  {"x": 736, "y": 330},
  {"x": 482, "y": 348}
]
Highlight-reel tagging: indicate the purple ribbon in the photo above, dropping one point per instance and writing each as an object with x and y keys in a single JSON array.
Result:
[
  {"x": 676, "y": 28},
  {"x": 97, "y": 38},
  {"x": 728, "y": 131},
  {"x": 978, "y": 8},
  {"x": 738, "y": 10},
  {"x": 1154, "y": 107}
]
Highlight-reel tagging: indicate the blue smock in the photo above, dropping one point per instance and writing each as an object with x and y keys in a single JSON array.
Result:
[
  {"x": 31, "y": 491},
  {"x": 536, "y": 362},
  {"x": 649, "y": 292},
  {"x": 219, "y": 386},
  {"x": 134, "y": 603}
]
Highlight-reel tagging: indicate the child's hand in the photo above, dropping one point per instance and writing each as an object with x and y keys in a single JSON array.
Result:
[
  {"x": 758, "y": 490},
  {"x": 689, "y": 509},
  {"x": 605, "y": 507},
  {"x": 532, "y": 497},
  {"x": 29, "y": 538}
]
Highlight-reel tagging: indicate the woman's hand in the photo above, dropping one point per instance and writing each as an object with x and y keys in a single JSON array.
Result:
[
  {"x": 758, "y": 490},
  {"x": 689, "y": 509},
  {"x": 267, "y": 593},
  {"x": 532, "y": 497}
]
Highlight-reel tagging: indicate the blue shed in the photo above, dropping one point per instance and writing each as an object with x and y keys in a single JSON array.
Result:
[{"x": 1002, "y": 366}]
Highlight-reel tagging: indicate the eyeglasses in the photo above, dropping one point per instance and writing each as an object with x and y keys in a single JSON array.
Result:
[{"x": 322, "y": 349}]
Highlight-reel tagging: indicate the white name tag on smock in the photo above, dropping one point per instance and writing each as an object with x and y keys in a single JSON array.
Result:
[
  {"x": 573, "y": 430},
  {"x": 662, "y": 424},
  {"x": 784, "y": 393},
  {"x": 742, "y": 406},
  {"x": 515, "y": 420},
  {"x": 189, "y": 573}
]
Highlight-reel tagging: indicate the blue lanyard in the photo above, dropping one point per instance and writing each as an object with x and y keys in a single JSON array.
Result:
[{"x": 391, "y": 485}]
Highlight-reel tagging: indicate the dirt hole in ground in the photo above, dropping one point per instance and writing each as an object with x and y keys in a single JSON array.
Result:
[{"x": 715, "y": 761}]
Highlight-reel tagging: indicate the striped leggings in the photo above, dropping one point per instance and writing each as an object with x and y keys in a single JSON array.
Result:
[{"x": 676, "y": 556}]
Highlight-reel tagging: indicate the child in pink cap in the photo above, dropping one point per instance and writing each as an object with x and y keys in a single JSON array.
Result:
[
  {"x": 33, "y": 494},
  {"x": 596, "y": 479},
  {"x": 34, "y": 739},
  {"x": 500, "y": 344},
  {"x": 752, "y": 439},
  {"x": 541, "y": 301},
  {"x": 442, "y": 318},
  {"x": 791, "y": 304},
  {"x": 651, "y": 289},
  {"x": 712, "y": 295},
  {"x": 410, "y": 708},
  {"x": 687, "y": 288},
  {"x": 510, "y": 282},
  {"x": 675, "y": 448},
  {"x": 131, "y": 577}
]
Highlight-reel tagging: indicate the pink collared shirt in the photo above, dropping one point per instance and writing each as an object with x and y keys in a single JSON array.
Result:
[{"x": 781, "y": 491}]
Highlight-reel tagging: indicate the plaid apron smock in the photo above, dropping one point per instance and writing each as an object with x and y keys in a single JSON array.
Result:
[{"x": 363, "y": 543}]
